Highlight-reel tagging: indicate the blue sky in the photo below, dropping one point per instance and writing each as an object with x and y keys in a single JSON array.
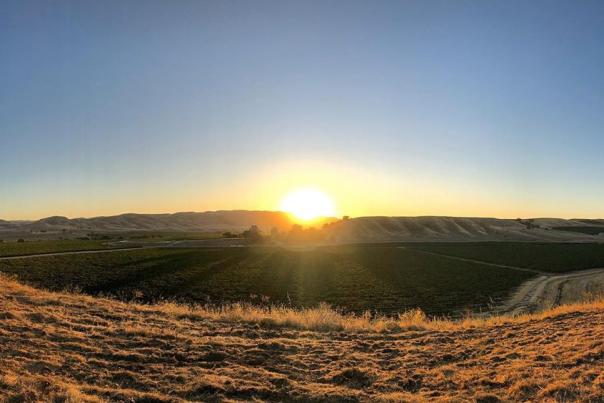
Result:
[{"x": 400, "y": 108}]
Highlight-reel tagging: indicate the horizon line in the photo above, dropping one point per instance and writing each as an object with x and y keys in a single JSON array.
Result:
[{"x": 286, "y": 213}]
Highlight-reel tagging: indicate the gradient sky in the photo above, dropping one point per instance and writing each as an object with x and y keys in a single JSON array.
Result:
[{"x": 472, "y": 108}]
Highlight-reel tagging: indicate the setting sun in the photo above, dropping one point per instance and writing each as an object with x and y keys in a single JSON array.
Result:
[{"x": 308, "y": 204}]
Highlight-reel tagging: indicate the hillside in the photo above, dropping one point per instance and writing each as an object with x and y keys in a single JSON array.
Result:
[
  {"x": 360, "y": 229},
  {"x": 233, "y": 220},
  {"x": 66, "y": 347},
  {"x": 461, "y": 229}
]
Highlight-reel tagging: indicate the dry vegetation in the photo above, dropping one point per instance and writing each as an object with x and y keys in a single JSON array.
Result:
[{"x": 68, "y": 347}]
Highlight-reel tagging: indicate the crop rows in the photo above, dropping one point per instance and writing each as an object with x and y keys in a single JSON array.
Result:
[
  {"x": 549, "y": 257},
  {"x": 386, "y": 279}
]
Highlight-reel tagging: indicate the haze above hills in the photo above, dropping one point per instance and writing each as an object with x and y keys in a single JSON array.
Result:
[{"x": 360, "y": 229}]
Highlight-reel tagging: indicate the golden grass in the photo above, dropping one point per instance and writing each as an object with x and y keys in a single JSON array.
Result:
[
  {"x": 66, "y": 347},
  {"x": 326, "y": 318}
]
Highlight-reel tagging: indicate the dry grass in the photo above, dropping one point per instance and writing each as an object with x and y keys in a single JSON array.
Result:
[
  {"x": 72, "y": 348},
  {"x": 325, "y": 318}
]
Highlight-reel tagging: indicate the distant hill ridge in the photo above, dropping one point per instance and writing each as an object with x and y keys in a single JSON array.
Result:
[
  {"x": 432, "y": 228},
  {"x": 231, "y": 220},
  {"x": 360, "y": 229}
]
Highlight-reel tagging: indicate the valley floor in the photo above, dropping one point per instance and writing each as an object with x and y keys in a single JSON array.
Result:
[{"x": 76, "y": 348}]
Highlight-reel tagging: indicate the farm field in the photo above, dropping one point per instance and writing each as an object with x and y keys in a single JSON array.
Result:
[
  {"x": 548, "y": 257},
  {"x": 34, "y": 247},
  {"x": 386, "y": 279},
  {"x": 146, "y": 235},
  {"x": 97, "y": 241}
]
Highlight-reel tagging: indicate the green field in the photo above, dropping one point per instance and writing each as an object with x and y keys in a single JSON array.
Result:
[
  {"x": 550, "y": 257},
  {"x": 34, "y": 247},
  {"x": 153, "y": 236},
  {"x": 98, "y": 241},
  {"x": 388, "y": 279}
]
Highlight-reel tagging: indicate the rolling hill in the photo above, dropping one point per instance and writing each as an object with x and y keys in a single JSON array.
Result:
[
  {"x": 360, "y": 229},
  {"x": 462, "y": 229},
  {"x": 233, "y": 220}
]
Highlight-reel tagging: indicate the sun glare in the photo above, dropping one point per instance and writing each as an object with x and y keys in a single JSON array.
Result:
[{"x": 308, "y": 204}]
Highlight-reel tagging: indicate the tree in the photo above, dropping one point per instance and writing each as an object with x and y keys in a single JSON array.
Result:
[
  {"x": 253, "y": 235},
  {"x": 301, "y": 235}
]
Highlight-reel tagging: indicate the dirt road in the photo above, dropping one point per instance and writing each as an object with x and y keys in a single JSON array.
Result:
[{"x": 548, "y": 291}]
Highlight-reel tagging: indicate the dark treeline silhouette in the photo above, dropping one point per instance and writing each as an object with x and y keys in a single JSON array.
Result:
[
  {"x": 299, "y": 235},
  {"x": 296, "y": 235}
]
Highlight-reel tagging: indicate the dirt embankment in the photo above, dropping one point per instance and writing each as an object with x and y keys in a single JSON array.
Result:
[{"x": 78, "y": 348}]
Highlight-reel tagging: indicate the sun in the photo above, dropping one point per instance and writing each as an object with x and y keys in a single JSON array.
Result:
[{"x": 308, "y": 204}]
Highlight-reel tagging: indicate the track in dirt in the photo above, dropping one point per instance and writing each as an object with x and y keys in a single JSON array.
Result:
[{"x": 548, "y": 291}]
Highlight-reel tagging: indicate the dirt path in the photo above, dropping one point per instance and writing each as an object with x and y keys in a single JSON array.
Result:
[{"x": 548, "y": 291}]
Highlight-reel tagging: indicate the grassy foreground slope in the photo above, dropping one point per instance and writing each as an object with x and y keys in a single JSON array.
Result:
[{"x": 65, "y": 347}]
